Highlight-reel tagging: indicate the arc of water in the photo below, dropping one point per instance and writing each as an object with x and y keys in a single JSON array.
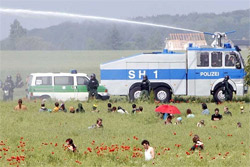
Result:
[{"x": 71, "y": 15}]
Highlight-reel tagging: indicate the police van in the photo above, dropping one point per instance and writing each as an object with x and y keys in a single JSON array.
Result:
[
  {"x": 62, "y": 86},
  {"x": 197, "y": 72}
]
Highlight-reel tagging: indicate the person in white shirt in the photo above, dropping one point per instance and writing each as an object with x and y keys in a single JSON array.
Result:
[
  {"x": 121, "y": 110},
  {"x": 149, "y": 151}
]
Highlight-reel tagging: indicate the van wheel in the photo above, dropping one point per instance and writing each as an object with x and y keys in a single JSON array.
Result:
[
  {"x": 134, "y": 93},
  {"x": 45, "y": 97},
  {"x": 162, "y": 94},
  {"x": 219, "y": 96}
]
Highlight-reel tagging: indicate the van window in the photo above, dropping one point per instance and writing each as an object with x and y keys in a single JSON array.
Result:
[
  {"x": 64, "y": 80},
  {"x": 230, "y": 60},
  {"x": 82, "y": 81},
  {"x": 216, "y": 59},
  {"x": 203, "y": 59},
  {"x": 44, "y": 80}
]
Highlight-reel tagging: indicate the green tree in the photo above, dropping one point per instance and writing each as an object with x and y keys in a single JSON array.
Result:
[
  {"x": 247, "y": 69},
  {"x": 16, "y": 30}
]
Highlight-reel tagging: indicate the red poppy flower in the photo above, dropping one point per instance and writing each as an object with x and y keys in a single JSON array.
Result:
[
  {"x": 187, "y": 153},
  {"x": 52, "y": 153},
  {"x": 174, "y": 133},
  {"x": 89, "y": 149}
]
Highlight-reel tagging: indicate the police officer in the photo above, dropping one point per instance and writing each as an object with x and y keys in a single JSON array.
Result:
[
  {"x": 92, "y": 86},
  {"x": 9, "y": 85},
  {"x": 145, "y": 87},
  {"x": 226, "y": 89}
]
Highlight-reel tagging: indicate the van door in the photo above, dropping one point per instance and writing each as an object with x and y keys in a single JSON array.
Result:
[
  {"x": 202, "y": 74},
  {"x": 230, "y": 66},
  {"x": 64, "y": 88},
  {"x": 82, "y": 91}
]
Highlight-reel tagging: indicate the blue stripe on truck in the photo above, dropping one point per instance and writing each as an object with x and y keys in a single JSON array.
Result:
[{"x": 161, "y": 74}]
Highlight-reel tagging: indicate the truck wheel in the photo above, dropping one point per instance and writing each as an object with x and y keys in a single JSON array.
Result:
[
  {"x": 134, "y": 93},
  {"x": 220, "y": 97},
  {"x": 45, "y": 97},
  {"x": 162, "y": 94}
]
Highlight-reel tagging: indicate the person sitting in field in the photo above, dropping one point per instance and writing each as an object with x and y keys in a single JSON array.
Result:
[
  {"x": 242, "y": 109},
  {"x": 216, "y": 116},
  {"x": 189, "y": 114},
  {"x": 133, "y": 108},
  {"x": 140, "y": 109},
  {"x": 109, "y": 107},
  {"x": 201, "y": 123},
  {"x": 80, "y": 108},
  {"x": 178, "y": 121},
  {"x": 205, "y": 109},
  {"x": 56, "y": 109},
  {"x": 114, "y": 109},
  {"x": 20, "y": 105},
  {"x": 62, "y": 108},
  {"x": 43, "y": 108},
  {"x": 121, "y": 110},
  {"x": 70, "y": 145},
  {"x": 238, "y": 125},
  {"x": 95, "y": 108},
  {"x": 97, "y": 125},
  {"x": 197, "y": 143},
  {"x": 168, "y": 120},
  {"x": 226, "y": 111},
  {"x": 72, "y": 109},
  {"x": 149, "y": 151}
]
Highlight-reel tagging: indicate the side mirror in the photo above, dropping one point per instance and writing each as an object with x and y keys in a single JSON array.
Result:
[{"x": 237, "y": 65}]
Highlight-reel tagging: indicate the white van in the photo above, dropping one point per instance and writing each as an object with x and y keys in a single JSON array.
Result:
[{"x": 61, "y": 86}]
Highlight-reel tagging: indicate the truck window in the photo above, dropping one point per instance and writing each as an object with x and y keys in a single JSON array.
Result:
[
  {"x": 203, "y": 59},
  {"x": 82, "y": 81},
  {"x": 44, "y": 80},
  {"x": 64, "y": 80},
  {"x": 216, "y": 59},
  {"x": 230, "y": 60}
]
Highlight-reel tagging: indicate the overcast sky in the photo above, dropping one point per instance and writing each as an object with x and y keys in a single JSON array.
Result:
[{"x": 111, "y": 8}]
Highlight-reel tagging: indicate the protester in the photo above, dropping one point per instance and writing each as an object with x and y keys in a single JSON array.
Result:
[
  {"x": 201, "y": 123},
  {"x": 216, "y": 116},
  {"x": 168, "y": 120},
  {"x": 238, "y": 124},
  {"x": 242, "y": 109},
  {"x": 72, "y": 109},
  {"x": 95, "y": 108},
  {"x": 189, "y": 114},
  {"x": 114, "y": 109},
  {"x": 109, "y": 107},
  {"x": 97, "y": 125},
  {"x": 178, "y": 121},
  {"x": 145, "y": 88},
  {"x": 43, "y": 108},
  {"x": 20, "y": 105},
  {"x": 56, "y": 109},
  {"x": 226, "y": 111},
  {"x": 140, "y": 109},
  {"x": 197, "y": 143},
  {"x": 149, "y": 151},
  {"x": 70, "y": 145},
  {"x": 133, "y": 108},
  {"x": 62, "y": 108},
  {"x": 205, "y": 109},
  {"x": 121, "y": 110},
  {"x": 80, "y": 108}
]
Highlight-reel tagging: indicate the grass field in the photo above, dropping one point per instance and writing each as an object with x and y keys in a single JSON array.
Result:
[
  {"x": 37, "y": 138},
  {"x": 45, "y": 133}
]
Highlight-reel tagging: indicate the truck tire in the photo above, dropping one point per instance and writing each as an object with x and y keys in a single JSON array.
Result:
[
  {"x": 134, "y": 93},
  {"x": 220, "y": 97},
  {"x": 162, "y": 94},
  {"x": 45, "y": 97}
]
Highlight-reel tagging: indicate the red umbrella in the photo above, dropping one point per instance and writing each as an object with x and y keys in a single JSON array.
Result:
[{"x": 168, "y": 109}]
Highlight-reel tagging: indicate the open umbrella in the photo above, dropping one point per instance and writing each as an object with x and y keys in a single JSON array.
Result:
[{"x": 168, "y": 109}]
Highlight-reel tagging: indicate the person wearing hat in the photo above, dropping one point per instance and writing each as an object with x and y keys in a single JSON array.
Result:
[
  {"x": 145, "y": 87},
  {"x": 92, "y": 86},
  {"x": 227, "y": 90},
  {"x": 95, "y": 108},
  {"x": 242, "y": 109},
  {"x": 9, "y": 85}
]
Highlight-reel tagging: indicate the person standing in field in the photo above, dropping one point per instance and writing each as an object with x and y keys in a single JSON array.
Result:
[
  {"x": 145, "y": 87},
  {"x": 92, "y": 86},
  {"x": 20, "y": 105},
  {"x": 149, "y": 151}
]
